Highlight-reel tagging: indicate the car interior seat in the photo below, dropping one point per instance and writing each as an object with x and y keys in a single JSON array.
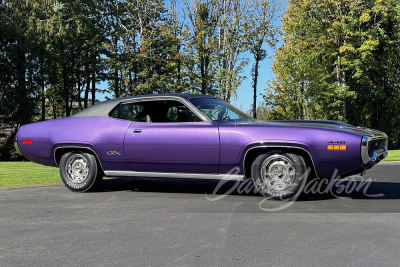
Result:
[{"x": 184, "y": 117}]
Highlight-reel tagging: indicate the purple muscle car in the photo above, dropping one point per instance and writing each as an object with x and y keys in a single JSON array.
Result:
[{"x": 197, "y": 137}]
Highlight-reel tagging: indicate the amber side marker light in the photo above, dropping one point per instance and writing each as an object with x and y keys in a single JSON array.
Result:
[
  {"x": 27, "y": 141},
  {"x": 336, "y": 147}
]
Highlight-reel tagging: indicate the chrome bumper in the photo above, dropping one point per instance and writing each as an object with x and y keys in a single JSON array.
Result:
[
  {"x": 374, "y": 149},
  {"x": 16, "y": 146}
]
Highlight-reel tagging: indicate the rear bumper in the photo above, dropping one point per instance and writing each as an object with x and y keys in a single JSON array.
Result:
[{"x": 16, "y": 146}]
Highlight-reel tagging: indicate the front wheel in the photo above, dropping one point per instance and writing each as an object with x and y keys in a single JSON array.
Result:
[
  {"x": 279, "y": 174},
  {"x": 80, "y": 172}
]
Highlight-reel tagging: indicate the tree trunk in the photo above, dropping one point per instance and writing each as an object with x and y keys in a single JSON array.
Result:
[
  {"x": 135, "y": 71},
  {"x": 43, "y": 100},
  {"x": 21, "y": 87},
  {"x": 71, "y": 102},
  {"x": 116, "y": 89},
  {"x": 116, "y": 78},
  {"x": 130, "y": 87},
  {"x": 179, "y": 63},
  {"x": 255, "y": 89},
  {"x": 43, "y": 117},
  {"x": 54, "y": 111},
  {"x": 79, "y": 90},
  {"x": 86, "y": 98},
  {"x": 302, "y": 109},
  {"x": 87, "y": 89},
  {"x": 93, "y": 87},
  {"x": 66, "y": 91},
  {"x": 203, "y": 75}
]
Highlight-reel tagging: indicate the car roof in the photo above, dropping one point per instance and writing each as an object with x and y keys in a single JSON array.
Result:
[{"x": 103, "y": 108}]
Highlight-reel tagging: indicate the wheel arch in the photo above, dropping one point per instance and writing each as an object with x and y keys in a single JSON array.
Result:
[
  {"x": 59, "y": 151},
  {"x": 252, "y": 153}
]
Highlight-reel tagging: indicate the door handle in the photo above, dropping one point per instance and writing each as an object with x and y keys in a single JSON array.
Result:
[{"x": 137, "y": 130}]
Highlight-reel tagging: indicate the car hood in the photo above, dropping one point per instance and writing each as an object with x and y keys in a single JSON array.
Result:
[{"x": 334, "y": 125}]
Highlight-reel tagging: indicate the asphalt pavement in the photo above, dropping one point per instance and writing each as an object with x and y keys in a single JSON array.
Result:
[{"x": 183, "y": 223}]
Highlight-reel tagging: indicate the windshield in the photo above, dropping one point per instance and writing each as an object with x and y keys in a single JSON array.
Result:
[{"x": 218, "y": 110}]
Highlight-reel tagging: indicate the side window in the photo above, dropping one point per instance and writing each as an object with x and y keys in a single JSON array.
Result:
[
  {"x": 127, "y": 111},
  {"x": 161, "y": 111},
  {"x": 213, "y": 111},
  {"x": 180, "y": 113}
]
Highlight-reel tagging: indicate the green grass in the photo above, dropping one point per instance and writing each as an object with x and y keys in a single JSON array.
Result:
[
  {"x": 394, "y": 155},
  {"x": 18, "y": 173},
  {"x": 27, "y": 173}
]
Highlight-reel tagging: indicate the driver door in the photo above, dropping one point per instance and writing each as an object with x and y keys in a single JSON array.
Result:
[{"x": 171, "y": 140}]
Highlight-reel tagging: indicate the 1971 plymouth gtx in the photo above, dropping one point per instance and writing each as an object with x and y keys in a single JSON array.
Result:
[{"x": 197, "y": 137}]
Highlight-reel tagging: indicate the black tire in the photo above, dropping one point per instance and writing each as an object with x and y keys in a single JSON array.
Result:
[
  {"x": 279, "y": 174},
  {"x": 80, "y": 171}
]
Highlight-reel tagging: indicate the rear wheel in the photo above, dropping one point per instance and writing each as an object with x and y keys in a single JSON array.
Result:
[
  {"x": 80, "y": 171},
  {"x": 279, "y": 174}
]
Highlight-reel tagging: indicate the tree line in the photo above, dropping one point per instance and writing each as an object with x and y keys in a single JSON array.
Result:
[{"x": 54, "y": 54}]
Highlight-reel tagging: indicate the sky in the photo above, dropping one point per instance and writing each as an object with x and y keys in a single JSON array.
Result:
[{"x": 245, "y": 91}]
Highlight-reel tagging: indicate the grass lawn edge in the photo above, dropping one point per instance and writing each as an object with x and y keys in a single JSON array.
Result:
[{"x": 29, "y": 186}]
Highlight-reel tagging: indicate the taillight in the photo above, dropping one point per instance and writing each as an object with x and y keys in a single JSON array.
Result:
[{"x": 27, "y": 141}]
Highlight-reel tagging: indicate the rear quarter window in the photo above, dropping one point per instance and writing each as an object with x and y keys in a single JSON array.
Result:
[{"x": 127, "y": 111}]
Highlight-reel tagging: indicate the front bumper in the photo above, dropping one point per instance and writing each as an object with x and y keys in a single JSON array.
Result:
[
  {"x": 373, "y": 149},
  {"x": 374, "y": 145}
]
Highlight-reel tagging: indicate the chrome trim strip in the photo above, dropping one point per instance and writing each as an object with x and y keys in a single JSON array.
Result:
[
  {"x": 55, "y": 160},
  {"x": 273, "y": 146},
  {"x": 205, "y": 176}
]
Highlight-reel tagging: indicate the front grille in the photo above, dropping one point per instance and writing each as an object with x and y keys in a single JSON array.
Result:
[
  {"x": 373, "y": 145},
  {"x": 376, "y": 144}
]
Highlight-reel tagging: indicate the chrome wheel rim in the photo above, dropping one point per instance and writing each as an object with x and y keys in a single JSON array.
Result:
[
  {"x": 278, "y": 172},
  {"x": 77, "y": 168}
]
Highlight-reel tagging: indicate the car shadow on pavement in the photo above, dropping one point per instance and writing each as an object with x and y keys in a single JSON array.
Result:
[
  {"x": 345, "y": 189},
  {"x": 184, "y": 186}
]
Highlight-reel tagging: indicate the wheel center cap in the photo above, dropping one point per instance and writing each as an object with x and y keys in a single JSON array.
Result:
[
  {"x": 278, "y": 172},
  {"x": 78, "y": 167}
]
